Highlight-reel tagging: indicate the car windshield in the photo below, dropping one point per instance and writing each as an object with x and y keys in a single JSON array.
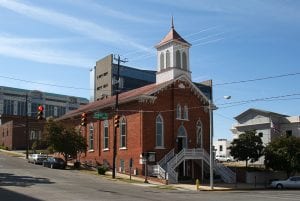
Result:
[
  {"x": 295, "y": 178},
  {"x": 50, "y": 159},
  {"x": 59, "y": 160}
]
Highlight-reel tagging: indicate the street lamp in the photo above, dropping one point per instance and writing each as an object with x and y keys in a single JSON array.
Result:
[{"x": 212, "y": 107}]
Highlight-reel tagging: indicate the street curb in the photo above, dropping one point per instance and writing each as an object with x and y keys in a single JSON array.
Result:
[{"x": 12, "y": 152}]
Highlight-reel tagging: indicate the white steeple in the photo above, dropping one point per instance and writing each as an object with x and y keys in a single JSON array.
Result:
[{"x": 172, "y": 57}]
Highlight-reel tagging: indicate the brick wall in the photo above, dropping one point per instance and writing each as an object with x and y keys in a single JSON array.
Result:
[
  {"x": 141, "y": 118},
  {"x": 6, "y": 131}
]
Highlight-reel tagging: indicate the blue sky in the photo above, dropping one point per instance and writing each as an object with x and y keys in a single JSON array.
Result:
[{"x": 58, "y": 41}]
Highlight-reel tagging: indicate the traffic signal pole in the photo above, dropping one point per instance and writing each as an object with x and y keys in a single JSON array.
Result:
[
  {"x": 116, "y": 113},
  {"x": 27, "y": 127}
]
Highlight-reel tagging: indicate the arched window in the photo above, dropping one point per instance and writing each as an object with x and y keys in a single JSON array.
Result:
[
  {"x": 91, "y": 136},
  {"x": 185, "y": 112},
  {"x": 162, "y": 61},
  {"x": 199, "y": 134},
  {"x": 181, "y": 132},
  {"x": 105, "y": 135},
  {"x": 123, "y": 132},
  {"x": 167, "y": 59},
  {"x": 184, "y": 61},
  {"x": 178, "y": 59},
  {"x": 182, "y": 138},
  {"x": 178, "y": 112},
  {"x": 159, "y": 131}
]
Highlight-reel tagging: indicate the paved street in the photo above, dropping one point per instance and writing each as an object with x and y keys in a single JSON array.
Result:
[{"x": 20, "y": 180}]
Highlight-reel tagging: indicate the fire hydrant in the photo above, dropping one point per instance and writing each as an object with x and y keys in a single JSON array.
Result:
[{"x": 197, "y": 184}]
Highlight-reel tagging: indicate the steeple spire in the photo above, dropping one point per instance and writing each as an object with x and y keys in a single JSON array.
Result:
[{"x": 172, "y": 23}]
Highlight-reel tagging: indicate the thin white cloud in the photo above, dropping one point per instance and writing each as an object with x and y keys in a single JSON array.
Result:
[
  {"x": 34, "y": 50},
  {"x": 83, "y": 27},
  {"x": 107, "y": 11}
]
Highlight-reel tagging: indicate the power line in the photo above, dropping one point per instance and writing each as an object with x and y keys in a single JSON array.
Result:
[
  {"x": 148, "y": 55},
  {"x": 272, "y": 98},
  {"x": 218, "y": 84},
  {"x": 186, "y": 36},
  {"x": 231, "y": 104},
  {"x": 257, "y": 79},
  {"x": 41, "y": 83}
]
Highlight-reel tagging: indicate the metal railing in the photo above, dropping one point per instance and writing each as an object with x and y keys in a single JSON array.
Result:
[
  {"x": 165, "y": 169},
  {"x": 163, "y": 162},
  {"x": 227, "y": 175}
]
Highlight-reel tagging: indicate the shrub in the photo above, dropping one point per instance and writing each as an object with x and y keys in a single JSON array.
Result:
[{"x": 102, "y": 169}]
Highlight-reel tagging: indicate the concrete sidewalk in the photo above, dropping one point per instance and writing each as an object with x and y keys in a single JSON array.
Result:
[
  {"x": 190, "y": 187},
  {"x": 14, "y": 153},
  {"x": 135, "y": 180}
]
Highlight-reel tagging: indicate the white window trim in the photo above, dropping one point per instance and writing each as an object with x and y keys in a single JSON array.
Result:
[
  {"x": 185, "y": 112},
  {"x": 91, "y": 128},
  {"x": 121, "y": 120},
  {"x": 105, "y": 125},
  {"x": 163, "y": 131},
  {"x": 159, "y": 147},
  {"x": 178, "y": 112}
]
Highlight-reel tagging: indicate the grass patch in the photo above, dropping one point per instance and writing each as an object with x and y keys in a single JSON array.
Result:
[
  {"x": 165, "y": 187},
  {"x": 12, "y": 154}
]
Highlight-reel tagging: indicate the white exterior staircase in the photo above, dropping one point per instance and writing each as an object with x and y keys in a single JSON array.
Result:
[{"x": 165, "y": 169}]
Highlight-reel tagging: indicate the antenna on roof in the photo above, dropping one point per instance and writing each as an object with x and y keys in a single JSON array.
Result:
[{"x": 172, "y": 23}]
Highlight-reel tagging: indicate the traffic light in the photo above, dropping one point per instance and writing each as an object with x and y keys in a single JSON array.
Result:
[
  {"x": 116, "y": 121},
  {"x": 83, "y": 119},
  {"x": 40, "y": 112}
]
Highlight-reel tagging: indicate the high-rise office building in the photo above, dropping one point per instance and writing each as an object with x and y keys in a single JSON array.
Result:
[
  {"x": 103, "y": 75},
  {"x": 13, "y": 102}
]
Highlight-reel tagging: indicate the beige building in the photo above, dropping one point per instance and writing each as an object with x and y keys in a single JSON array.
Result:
[{"x": 103, "y": 78}]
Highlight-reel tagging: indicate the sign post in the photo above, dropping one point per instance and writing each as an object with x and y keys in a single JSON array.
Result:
[{"x": 130, "y": 167}]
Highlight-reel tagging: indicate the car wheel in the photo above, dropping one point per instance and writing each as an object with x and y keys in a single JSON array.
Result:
[
  {"x": 279, "y": 186},
  {"x": 51, "y": 166}
]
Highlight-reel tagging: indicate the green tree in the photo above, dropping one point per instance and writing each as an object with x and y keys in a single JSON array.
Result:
[
  {"x": 247, "y": 147},
  {"x": 283, "y": 154},
  {"x": 64, "y": 140}
]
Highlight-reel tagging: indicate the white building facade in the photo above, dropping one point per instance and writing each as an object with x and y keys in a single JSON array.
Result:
[
  {"x": 221, "y": 147},
  {"x": 268, "y": 125}
]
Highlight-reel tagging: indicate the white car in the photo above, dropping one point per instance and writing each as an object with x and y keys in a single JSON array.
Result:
[
  {"x": 36, "y": 158},
  {"x": 292, "y": 182},
  {"x": 223, "y": 158}
]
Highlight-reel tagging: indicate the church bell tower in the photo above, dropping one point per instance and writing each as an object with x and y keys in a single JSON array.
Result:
[{"x": 172, "y": 57}]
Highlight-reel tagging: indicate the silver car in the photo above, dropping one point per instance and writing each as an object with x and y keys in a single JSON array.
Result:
[
  {"x": 36, "y": 158},
  {"x": 292, "y": 182}
]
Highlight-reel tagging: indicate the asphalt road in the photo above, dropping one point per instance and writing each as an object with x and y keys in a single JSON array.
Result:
[{"x": 21, "y": 181}]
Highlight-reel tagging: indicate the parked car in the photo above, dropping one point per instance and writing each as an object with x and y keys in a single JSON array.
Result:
[
  {"x": 223, "y": 158},
  {"x": 54, "y": 162},
  {"x": 292, "y": 182},
  {"x": 36, "y": 158}
]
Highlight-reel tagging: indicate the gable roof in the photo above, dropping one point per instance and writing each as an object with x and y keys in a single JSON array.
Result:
[
  {"x": 263, "y": 112},
  {"x": 143, "y": 92},
  {"x": 172, "y": 36}
]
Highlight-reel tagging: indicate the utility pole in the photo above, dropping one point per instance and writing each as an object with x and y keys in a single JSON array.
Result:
[
  {"x": 117, "y": 83},
  {"x": 26, "y": 132}
]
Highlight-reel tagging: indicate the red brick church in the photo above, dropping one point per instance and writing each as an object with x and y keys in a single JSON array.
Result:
[{"x": 169, "y": 120}]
